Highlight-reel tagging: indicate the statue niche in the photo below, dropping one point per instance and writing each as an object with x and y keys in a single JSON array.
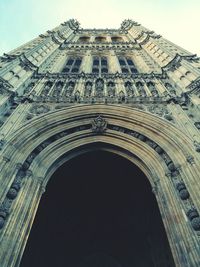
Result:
[
  {"x": 69, "y": 88},
  {"x": 99, "y": 88},
  {"x": 129, "y": 89},
  {"x": 58, "y": 89},
  {"x": 111, "y": 89},
  {"x": 140, "y": 88},
  {"x": 48, "y": 85},
  {"x": 152, "y": 89},
  {"x": 88, "y": 89}
]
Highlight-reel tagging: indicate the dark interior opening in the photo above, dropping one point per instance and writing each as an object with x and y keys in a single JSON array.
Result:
[{"x": 98, "y": 211}]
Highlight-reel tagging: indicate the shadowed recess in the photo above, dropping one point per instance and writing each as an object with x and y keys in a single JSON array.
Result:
[{"x": 98, "y": 211}]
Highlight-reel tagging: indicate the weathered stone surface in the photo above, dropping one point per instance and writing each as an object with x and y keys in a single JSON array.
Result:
[{"x": 122, "y": 89}]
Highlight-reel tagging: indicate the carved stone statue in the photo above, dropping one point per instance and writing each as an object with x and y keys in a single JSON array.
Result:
[
  {"x": 129, "y": 89},
  {"x": 111, "y": 89},
  {"x": 99, "y": 87},
  {"x": 99, "y": 125},
  {"x": 88, "y": 89}
]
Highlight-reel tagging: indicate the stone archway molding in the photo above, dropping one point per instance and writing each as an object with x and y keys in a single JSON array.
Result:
[{"x": 165, "y": 154}]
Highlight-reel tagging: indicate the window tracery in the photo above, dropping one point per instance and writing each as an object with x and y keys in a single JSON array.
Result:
[
  {"x": 72, "y": 65},
  {"x": 100, "y": 65},
  {"x": 127, "y": 65}
]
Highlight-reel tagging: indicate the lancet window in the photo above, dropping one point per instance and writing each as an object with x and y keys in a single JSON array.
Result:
[
  {"x": 127, "y": 65},
  {"x": 72, "y": 65}
]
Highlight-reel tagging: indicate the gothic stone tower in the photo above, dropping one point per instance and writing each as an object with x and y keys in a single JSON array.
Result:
[{"x": 128, "y": 90}]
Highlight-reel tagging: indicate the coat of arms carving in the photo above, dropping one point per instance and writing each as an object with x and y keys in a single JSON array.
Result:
[{"x": 99, "y": 125}]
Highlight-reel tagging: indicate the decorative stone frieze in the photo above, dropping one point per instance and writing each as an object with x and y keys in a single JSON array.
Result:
[{"x": 123, "y": 89}]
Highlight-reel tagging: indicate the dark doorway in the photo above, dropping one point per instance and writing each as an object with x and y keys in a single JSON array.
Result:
[{"x": 98, "y": 211}]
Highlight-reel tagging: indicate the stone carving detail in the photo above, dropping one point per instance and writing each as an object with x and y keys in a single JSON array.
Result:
[
  {"x": 23, "y": 171},
  {"x": 174, "y": 171},
  {"x": 140, "y": 88},
  {"x": 77, "y": 96},
  {"x": 121, "y": 97},
  {"x": 39, "y": 109},
  {"x": 174, "y": 64},
  {"x": 73, "y": 24},
  {"x": 152, "y": 89},
  {"x": 127, "y": 24},
  {"x": 47, "y": 88},
  {"x": 170, "y": 88},
  {"x": 99, "y": 125},
  {"x": 5, "y": 87},
  {"x": 69, "y": 88},
  {"x": 194, "y": 86},
  {"x": 29, "y": 88},
  {"x": 4, "y": 210},
  {"x": 88, "y": 89},
  {"x": 161, "y": 112},
  {"x": 111, "y": 89},
  {"x": 129, "y": 89},
  {"x": 2, "y": 143},
  {"x": 11, "y": 195},
  {"x": 27, "y": 64},
  {"x": 197, "y": 124},
  {"x": 99, "y": 86},
  {"x": 183, "y": 192},
  {"x": 194, "y": 218},
  {"x": 190, "y": 159},
  {"x": 58, "y": 89},
  {"x": 197, "y": 146}
]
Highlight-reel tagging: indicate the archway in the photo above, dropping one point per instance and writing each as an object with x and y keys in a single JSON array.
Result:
[
  {"x": 166, "y": 155},
  {"x": 98, "y": 210}
]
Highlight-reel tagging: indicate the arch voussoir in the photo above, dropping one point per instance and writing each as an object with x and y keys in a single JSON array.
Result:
[{"x": 157, "y": 147}]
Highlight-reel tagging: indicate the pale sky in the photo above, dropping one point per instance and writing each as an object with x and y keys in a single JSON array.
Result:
[{"x": 176, "y": 20}]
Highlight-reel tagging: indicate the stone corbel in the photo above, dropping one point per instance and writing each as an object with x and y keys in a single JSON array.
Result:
[
  {"x": 26, "y": 63},
  {"x": 173, "y": 64}
]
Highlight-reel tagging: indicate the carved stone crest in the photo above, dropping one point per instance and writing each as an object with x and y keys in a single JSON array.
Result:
[{"x": 99, "y": 125}]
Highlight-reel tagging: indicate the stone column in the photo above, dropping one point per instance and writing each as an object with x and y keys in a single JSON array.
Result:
[{"x": 15, "y": 233}]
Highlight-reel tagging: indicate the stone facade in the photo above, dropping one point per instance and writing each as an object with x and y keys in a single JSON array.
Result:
[{"x": 129, "y": 90}]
